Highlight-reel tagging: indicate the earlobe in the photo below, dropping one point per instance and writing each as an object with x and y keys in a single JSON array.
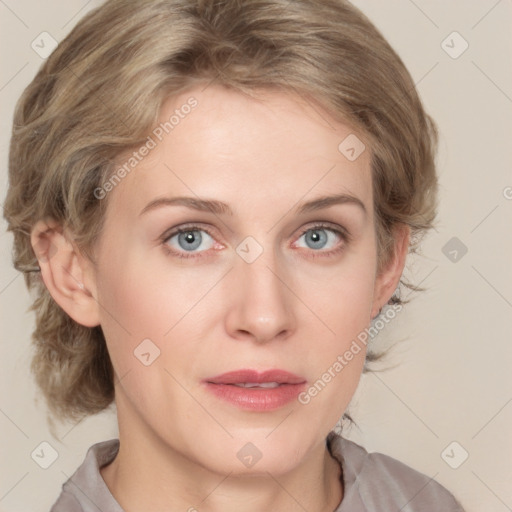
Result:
[
  {"x": 389, "y": 277},
  {"x": 64, "y": 272}
]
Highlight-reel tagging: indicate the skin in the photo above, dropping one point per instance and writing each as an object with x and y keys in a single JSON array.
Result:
[{"x": 216, "y": 312}]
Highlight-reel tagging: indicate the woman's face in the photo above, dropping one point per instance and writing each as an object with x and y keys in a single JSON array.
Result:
[{"x": 272, "y": 280}]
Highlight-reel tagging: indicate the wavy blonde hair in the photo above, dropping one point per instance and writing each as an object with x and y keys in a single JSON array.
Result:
[{"x": 99, "y": 94}]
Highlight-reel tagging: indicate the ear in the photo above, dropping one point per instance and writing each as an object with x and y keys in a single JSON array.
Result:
[
  {"x": 66, "y": 272},
  {"x": 388, "y": 279}
]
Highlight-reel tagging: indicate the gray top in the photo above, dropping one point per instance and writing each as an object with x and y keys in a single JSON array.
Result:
[{"x": 372, "y": 482}]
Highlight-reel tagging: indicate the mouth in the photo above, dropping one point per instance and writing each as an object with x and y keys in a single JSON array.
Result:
[
  {"x": 253, "y": 378},
  {"x": 265, "y": 385},
  {"x": 256, "y": 391}
]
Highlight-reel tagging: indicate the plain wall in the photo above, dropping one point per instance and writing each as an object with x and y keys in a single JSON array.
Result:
[{"x": 452, "y": 379}]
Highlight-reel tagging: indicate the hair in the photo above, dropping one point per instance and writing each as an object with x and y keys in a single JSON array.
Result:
[{"x": 100, "y": 92}]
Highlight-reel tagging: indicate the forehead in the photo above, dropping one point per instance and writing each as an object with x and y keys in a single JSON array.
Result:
[{"x": 219, "y": 143}]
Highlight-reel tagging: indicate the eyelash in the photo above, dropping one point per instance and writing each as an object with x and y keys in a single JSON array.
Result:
[{"x": 343, "y": 234}]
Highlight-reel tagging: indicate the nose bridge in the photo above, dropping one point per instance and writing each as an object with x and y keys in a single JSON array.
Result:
[{"x": 263, "y": 302}]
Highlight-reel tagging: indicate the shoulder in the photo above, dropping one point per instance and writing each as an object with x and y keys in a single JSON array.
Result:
[
  {"x": 86, "y": 487},
  {"x": 375, "y": 481},
  {"x": 66, "y": 503}
]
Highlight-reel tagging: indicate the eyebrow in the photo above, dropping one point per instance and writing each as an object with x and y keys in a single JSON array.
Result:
[{"x": 220, "y": 208}]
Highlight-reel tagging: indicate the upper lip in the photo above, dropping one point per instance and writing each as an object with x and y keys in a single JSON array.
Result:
[{"x": 254, "y": 376}]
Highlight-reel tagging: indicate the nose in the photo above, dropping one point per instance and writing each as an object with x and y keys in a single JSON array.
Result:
[{"x": 261, "y": 306}]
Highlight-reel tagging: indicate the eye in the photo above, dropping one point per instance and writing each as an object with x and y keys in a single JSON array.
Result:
[
  {"x": 188, "y": 239},
  {"x": 191, "y": 241},
  {"x": 323, "y": 239}
]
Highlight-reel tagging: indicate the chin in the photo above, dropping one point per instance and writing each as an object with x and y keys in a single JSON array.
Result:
[{"x": 255, "y": 452}]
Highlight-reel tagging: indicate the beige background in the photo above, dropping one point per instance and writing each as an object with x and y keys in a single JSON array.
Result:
[{"x": 453, "y": 379}]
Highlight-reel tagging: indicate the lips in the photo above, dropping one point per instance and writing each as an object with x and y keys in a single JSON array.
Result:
[
  {"x": 255, "y": 378},
  {"x": 256, "y": 391}
]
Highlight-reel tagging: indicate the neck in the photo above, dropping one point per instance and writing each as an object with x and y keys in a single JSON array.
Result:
[{"x": 150, "y": 475}]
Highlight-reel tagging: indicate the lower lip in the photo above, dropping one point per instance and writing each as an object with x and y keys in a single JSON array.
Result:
[{"x": 256, "y": 399}]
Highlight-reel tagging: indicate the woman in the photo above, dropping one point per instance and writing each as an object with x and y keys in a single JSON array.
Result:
[{"x": 213, "y": 200}]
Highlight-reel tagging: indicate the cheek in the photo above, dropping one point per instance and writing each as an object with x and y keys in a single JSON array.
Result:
[
  {"x": 342, "y": 302},
  {"x": 342, "y": 298},
  {"x": 128, "y": 306},
  {"x": 142, "y": 300},
  {"x": 337, "y": 356}
]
